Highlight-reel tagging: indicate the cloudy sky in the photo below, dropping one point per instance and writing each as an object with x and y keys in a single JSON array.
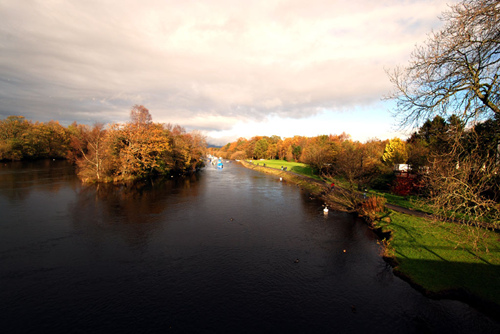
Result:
[{"x": 228, "y": 68}]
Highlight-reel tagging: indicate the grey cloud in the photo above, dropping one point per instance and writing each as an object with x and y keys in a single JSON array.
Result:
[{"x": 205, "y": 66}]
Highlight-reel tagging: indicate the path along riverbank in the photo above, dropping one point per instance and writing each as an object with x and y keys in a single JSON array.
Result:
[{"x": 491, "y": 307}]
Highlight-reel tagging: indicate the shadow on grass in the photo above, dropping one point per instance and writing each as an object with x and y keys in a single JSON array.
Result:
[
  {"x": 302, "y": 170},
  {"x": 473, "y": 283}
]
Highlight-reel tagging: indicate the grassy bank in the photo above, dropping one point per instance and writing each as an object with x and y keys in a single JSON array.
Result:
[
  {"x": 437, "y": 257},
  {"x": 304, "y": 181},
  {"x": 402, "y": 201},
  {"x": 295, "y": 167},
  {"x": 412, "y": 202}
]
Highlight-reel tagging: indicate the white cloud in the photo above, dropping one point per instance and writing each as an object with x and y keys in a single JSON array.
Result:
[
  {"x": 361, "y": 123},
  {"x": 207, "y": 65}
]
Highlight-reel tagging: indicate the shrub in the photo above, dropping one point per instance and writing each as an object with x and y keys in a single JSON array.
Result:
[{"x": 372, "y": 206}]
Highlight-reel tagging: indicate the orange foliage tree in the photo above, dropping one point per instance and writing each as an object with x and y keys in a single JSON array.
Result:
[
  {"x": 22, "y": 139},
  {"x": 90, "y": 151},
  {"x": 135, "y": 150}
]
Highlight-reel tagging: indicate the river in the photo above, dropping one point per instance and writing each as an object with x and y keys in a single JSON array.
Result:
[{"x": 221, "y": 251}]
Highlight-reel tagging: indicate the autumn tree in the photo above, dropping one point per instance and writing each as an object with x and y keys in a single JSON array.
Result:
[
  {"x": 359, "y": 163},
  {"x": 143, "y": 146},
  {"x": 285, "y": 151},
  {"x": 372, "y": 166},
  {"x": 91, "y": 151},
  {"x": 272, "y": 151},
  {"x": 12, "y": 130},
  {"x": 140, "y": 116},
  {"x": 395, "y": 152},
  {"x": 223, "y": 151},
  {"x": 296, "y": 152},
  {"x": 23, "y": 139},
  {"x": 120, "y": 152},
  {"x": 260, "y": 149},
  {"x": 348, "y": 163},
  {"x": 197, "y": 145},
  {"x": 272, "y": 148},
  {"x": 187, "y": 149},
  {"x": 319, "y": 153},
  {"x": 53, "y": 140},
  {"x": 238, "y": 155},
  {"x": 231, "y": 148},
  {"x": 137, "y": 149},
  {"x": 250, "y": 145}
]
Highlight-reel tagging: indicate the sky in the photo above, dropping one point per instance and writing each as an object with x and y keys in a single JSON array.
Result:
[{"x": 226, "y": 68}]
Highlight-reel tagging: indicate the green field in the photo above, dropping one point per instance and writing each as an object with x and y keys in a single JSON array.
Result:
[
  {"x": 441, "y": 257},
  {"x": 295, "y": 167},
  {"x": 409, "y": 202}
]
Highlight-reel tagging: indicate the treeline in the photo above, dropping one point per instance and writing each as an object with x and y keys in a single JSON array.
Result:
[
  {"x": 120, "y": 152},
  {"x": 437, "y": 143},
  {"x": 21, "y": 139},
  {"x": 359, "y": 163}
]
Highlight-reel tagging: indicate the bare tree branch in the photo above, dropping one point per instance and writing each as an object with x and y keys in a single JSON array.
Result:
[{"x": 456, "y": 70}]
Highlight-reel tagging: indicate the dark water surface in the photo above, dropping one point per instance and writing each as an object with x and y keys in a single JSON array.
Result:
[{"x": 215, "y": 252}]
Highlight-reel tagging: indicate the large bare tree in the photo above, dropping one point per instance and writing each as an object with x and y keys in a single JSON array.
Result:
[
  {"x": 456, "y": 71},
  {"x": 455, "y": 74}
]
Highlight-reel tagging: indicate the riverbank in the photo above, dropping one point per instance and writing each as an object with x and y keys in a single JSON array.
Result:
[
  {"x": 438, "y": 260},
  {"x": 313, "y": 186},
  {"x": 434, "y": 257}
]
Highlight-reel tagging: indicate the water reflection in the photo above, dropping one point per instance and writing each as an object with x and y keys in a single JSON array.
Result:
[
  {"x": 19, "y": 179},
  {"x": 133, "y": 210}
]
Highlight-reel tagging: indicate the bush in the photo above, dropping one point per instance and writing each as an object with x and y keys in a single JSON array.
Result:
[{"x": 373, "y": 206}]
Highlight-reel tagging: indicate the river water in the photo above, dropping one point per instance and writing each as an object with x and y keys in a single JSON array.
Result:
[{"x": 222, "y": 251}]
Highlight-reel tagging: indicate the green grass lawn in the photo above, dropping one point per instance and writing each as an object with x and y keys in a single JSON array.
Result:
[
  {"x": 441, "y": 257},
  {"x": 417, "y": 203},
  {"x": 409, "y": 202},
  {"x": 296, "y": 167}
]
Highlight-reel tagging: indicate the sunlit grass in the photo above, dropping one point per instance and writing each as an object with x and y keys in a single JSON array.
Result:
[
  {"x": 296, "y": 167},
  {"x": 403, "y": 201},
  {"x": 304, "y": 183},
  {"x": 437, "y": 256},
  {"x": 421, "y": 204},
  {"x": 409, "y": 202},
  {"x": 340, "y": 182}
]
